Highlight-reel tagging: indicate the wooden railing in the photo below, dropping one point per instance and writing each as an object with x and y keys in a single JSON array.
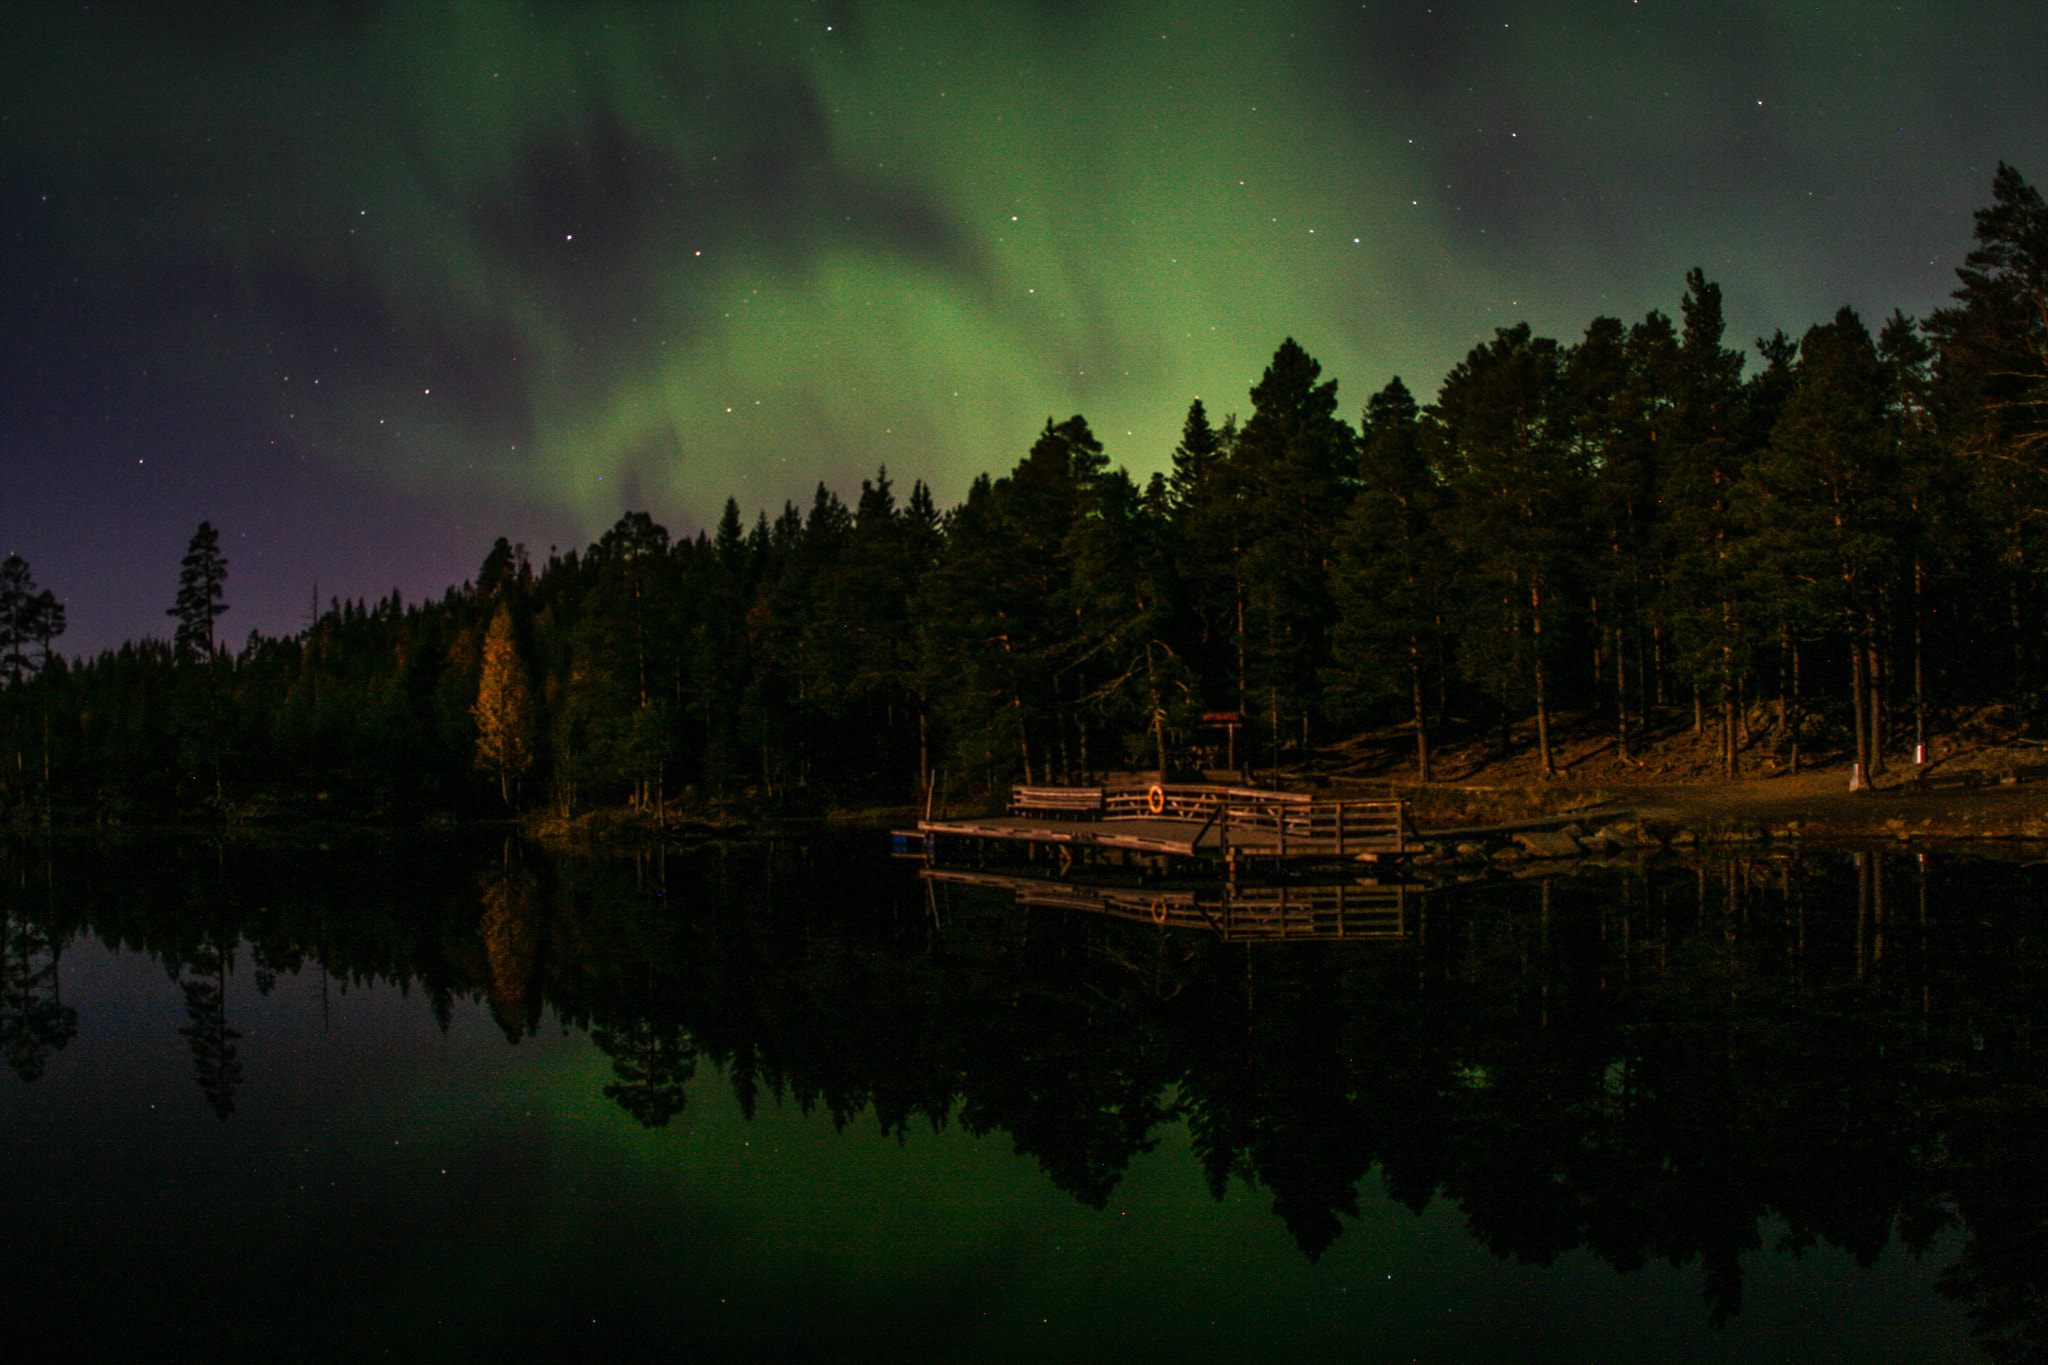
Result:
[
  {"x": 1285, "y": 817},
  {"x": 1078, "y": 801},
  {"x": 1171, "y": 801}
]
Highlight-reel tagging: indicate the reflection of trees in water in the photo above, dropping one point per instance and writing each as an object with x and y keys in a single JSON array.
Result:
[
  {"x": 1652, "y": 1064},
  {"x": 1065, "y": 1075},
  {"x": 2002, "y": 1271},
  {"x": 510, "y": 930},
  {"x": 205, "y": 984},
  {"x": 1677, "y": 1063},
  {"x": 1670, "y": 1064},
  {"x": 1659, "y": 1073},
  {"x": 654, "y": 1061},
  {"x": 34, "y": 1020}
]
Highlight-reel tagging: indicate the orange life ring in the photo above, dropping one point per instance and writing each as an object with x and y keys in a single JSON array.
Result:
[
  {"x": 1159, "y": 905},
  {"x": 1155, "y": 799}
]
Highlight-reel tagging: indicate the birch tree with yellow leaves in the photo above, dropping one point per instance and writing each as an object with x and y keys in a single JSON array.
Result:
[{"x": 504, "y": 710}]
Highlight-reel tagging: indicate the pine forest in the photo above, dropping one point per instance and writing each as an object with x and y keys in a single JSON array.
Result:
[{"x": 1829, "y": 542}]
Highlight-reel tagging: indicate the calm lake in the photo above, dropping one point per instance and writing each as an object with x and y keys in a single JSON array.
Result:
[{"x": 466, "y": 1101}]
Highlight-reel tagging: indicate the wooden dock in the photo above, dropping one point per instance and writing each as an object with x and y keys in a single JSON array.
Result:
[
  {"x": 1359, "y": 910},
  {"x": 1203, "y": 823}
]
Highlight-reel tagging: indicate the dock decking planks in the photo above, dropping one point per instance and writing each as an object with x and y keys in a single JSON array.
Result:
[{"x": 1197, "y": 822}]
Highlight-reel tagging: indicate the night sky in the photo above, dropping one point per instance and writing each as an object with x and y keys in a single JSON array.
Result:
[{"x": 368, "y": 285}]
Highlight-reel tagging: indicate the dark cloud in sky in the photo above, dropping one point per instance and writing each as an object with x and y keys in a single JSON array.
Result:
[{"x": 368, "y": 284}]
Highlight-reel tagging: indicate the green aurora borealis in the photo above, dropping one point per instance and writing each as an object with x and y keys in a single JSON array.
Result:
[{"x": 576, "y": 259}]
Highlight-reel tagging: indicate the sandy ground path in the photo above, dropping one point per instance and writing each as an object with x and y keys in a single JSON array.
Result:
[{"x": 1820, "y": 802}]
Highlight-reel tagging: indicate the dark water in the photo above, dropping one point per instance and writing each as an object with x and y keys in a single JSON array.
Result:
[{"x": 462, "y": 1101}]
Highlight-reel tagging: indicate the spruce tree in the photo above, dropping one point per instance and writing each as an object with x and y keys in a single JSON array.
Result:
[
  {"x": 1194, "y": 459},
  {"x": 202, "y": 586},
  {"x": 497, "y": 573},
  {"x": 1206, "y": 535},
  {"x": 1293, "y": 470}
]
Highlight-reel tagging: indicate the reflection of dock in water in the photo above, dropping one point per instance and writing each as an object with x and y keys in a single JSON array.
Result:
[
  {"x": 1194, "y": 822},
  {"x": 1358, "y": 910}
]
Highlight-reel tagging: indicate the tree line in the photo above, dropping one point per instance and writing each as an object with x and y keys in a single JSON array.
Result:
[{"x": 1833, "y": 547}]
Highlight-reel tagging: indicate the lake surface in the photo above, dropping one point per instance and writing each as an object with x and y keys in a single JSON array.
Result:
[{"x": 785, "y": 1102}]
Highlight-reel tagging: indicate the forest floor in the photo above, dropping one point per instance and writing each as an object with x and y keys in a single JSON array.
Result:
[{"x": 1982, "y": 780}]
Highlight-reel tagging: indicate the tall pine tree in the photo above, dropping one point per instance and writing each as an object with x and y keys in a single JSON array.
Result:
[
  {"x": 1392, "y": 574},
  {"x": 202, "y": 590}
]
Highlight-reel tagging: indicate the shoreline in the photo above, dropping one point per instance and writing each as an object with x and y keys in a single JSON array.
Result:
[{"x": 1813, "y": 806}]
